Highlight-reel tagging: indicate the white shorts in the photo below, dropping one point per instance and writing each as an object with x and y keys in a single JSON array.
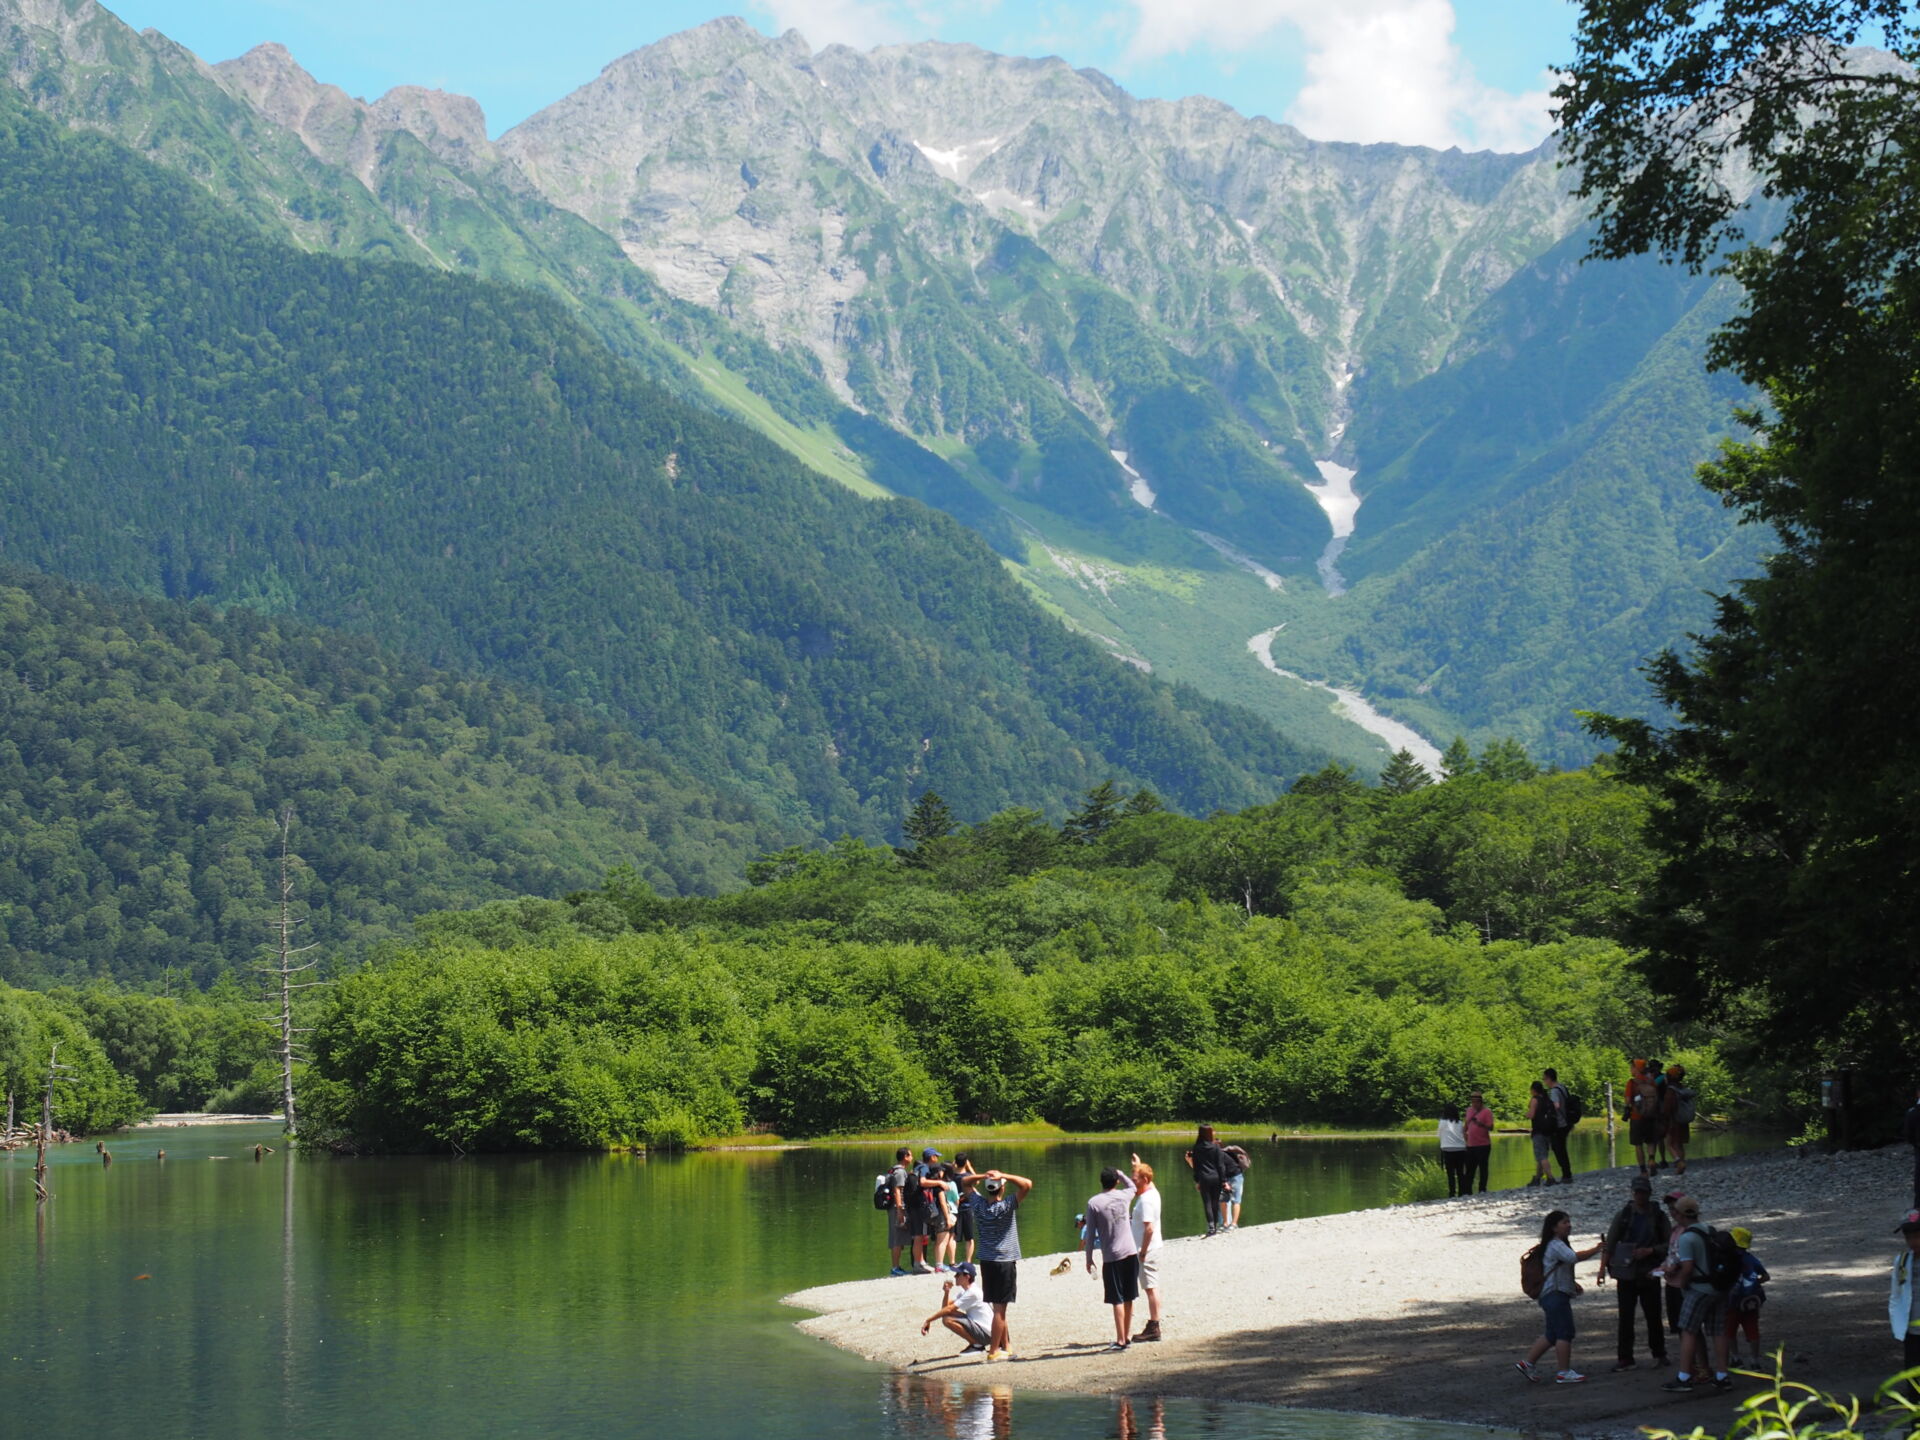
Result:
[{"x": 1150, "y": 1269}]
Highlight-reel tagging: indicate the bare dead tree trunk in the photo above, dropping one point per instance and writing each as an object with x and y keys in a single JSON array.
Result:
[
  {"x": 54, "y": 1067},
  {"x": 284, "y": 969}
]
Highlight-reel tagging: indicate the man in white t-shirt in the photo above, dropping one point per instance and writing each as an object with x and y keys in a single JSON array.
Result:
[
  {"x": 963, "y": 1309},
  {"x": 1146, "y": 1234}
]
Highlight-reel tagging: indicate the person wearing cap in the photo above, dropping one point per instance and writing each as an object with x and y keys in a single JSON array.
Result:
[
  {"x": 963, "y": 1310},
  {"x": 1746, "y": 1298},
  {"x": 1109, "y": 1230},
  {"x": 1903, "y": 1301},
  {"x": 1635, "y": 1245},
  {"x": 1703, "y": 1309},
  {"x": 995, "y": 1197}
]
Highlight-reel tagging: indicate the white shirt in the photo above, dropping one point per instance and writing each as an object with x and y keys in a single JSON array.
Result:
[
  {"x": 966, "y": 1299},
  {"x": 1146, "y": 1210},
  {"x": 1453, "y": 1135}
]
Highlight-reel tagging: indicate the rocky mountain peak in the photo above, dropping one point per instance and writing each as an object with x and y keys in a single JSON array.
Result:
[
  {"x": 330, "y": 122},
  {"x": 453, "y": 127}
]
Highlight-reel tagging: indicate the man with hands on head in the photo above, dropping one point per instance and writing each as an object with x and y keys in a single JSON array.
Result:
[{"x": 995, "y": 1197}]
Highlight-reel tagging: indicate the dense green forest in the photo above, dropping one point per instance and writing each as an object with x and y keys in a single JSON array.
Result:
[
  {"x": 146, "y": 748},
  {"x": 1344, "y": 954},
  {"x": 461, "y": 472}
]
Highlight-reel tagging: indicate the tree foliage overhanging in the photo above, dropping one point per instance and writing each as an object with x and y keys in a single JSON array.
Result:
[
  {"x": 1344, "y": 954},
  {"x": 1789, "y": 816}
]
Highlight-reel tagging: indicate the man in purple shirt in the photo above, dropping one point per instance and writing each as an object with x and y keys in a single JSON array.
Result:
[{"x": 1109, "y": 1228}]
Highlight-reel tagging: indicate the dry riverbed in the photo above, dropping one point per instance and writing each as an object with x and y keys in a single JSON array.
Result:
[{"x": 1416, "y": 1310}]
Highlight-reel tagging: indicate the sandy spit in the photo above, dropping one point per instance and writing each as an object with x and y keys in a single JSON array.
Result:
[{"x": 1416, "y": 1310}]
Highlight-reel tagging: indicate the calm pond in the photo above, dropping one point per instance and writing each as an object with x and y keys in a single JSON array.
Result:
[{"x": 553, "y": 1296}]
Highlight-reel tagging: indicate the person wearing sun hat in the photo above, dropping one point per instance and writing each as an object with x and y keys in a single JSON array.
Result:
[
  {"x": 1744, "y": 1302},
  {"x": 1903, "y": 1301}
]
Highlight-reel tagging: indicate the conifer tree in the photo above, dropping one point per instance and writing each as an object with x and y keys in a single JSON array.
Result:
[
  {"x": 1095, "y": 816},
  {"x": 1403, "y": 774},
  {"x": 1456, "y": 760},
  {"x": 1142, "y": 802},
  {"x": 930, "y": 820}
]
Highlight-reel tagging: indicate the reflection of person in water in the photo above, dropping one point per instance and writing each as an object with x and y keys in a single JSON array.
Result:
[{"x": 1156, "y": 1419}]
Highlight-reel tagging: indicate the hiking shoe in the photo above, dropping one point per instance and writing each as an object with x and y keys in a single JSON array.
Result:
[
  {"x": 1527, "y": 1370},
  {"x": 1548, "y": 1183},
  {"x": 1623, "y": 1365},
  {"x": 1533, "y": 1183},
  {"x": 895, "y": 1271},
  {"x": 1152, "y": 1332},
  {"x": 1569, "y": 1377},
  {"x": 1678, "y": 1386}
]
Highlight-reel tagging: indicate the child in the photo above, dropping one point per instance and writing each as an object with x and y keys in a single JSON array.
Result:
[
  {"x": 1903, "y": 1303},
  {"x": 1748, "y": 1295},
  {"x": 963, "y": 1310}
]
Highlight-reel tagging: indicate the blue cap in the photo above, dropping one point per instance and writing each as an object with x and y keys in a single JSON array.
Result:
[{"x": 965, "y": 1267}]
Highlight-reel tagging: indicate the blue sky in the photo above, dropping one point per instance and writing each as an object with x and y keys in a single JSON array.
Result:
[{"x": 1436, "y": 72}]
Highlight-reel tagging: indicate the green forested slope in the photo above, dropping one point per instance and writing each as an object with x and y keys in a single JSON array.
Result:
[
  {"x": 460, "y": 471},
  {"x": 147, "y": 746}
]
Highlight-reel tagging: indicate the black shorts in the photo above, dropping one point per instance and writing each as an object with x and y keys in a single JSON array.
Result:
[
  {"x": 1645, "y": 1130},
  {"x": 997, "y": 1281},
  {"x": 963, "y": 1224},
  {"x": 1121, "y": 1280},
  {"x": 916, "y": 1221},
  {"x": 936, "y": 1223}
]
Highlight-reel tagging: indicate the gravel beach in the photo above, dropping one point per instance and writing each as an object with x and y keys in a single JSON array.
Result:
[{"x": 1416, "y": 1310}]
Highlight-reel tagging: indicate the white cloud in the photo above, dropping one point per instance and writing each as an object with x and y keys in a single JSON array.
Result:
[
  {"x": 1376, "y": 69},
  {"x": 859, "y": 23}
]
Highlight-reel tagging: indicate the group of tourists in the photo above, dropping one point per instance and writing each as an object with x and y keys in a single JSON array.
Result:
[
  {"x": 1660, "y": 1111},
  {"x": 1660, "y": 1108},
  {"x": 1713, "y": 1285},
  {"x": 934, "y": 1208}
]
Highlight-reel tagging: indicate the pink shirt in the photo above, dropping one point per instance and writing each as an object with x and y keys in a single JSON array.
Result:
[{"x": 1479, "y": 1126}]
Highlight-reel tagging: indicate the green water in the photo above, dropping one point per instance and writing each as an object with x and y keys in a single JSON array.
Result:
[{"x": 544, "y": 1296}]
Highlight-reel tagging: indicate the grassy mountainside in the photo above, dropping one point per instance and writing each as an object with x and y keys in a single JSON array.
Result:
[{"x": 461, "y": 471}]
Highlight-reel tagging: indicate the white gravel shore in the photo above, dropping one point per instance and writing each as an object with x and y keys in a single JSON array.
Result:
[{"x": 1416, "y": 1310}]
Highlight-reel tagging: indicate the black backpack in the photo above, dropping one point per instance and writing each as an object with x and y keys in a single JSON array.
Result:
[
  {"x": 883, "y": 1192},
  {"x": 1576, "y": 1109},
  {"x": 1723, "y": 1257}
]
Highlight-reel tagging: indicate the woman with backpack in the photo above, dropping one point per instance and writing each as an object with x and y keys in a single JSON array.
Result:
[
  {"x": 1453, "y": 1149},
  {"x": 1556, "y": 1257},
  {"x": 1211, "y": 1169},
  {"x": 1646, "y": 1116},
  {"x": 1236, "y": 1187}
]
